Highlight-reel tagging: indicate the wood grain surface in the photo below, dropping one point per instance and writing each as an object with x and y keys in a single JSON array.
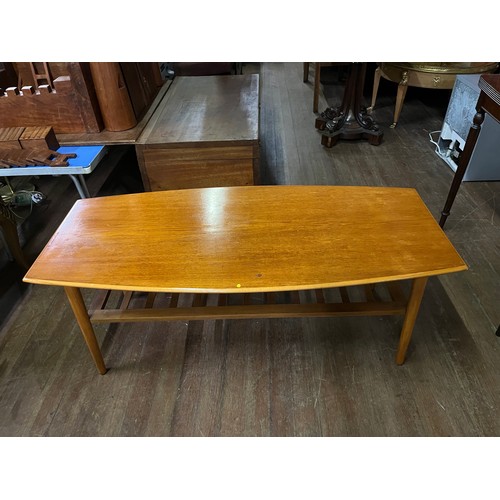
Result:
[
  {"x": 256, "y": 238},
  {"x": 207, "y": 109}
]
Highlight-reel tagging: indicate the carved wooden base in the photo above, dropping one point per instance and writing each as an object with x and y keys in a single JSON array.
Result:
[
  {"x": 350, "y": 120},
  {"x": 326, "y": 116},
  {"x": 352, "y": 127}
]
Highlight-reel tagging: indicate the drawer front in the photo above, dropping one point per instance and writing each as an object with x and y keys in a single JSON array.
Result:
[{"x": 183, "y": 174}]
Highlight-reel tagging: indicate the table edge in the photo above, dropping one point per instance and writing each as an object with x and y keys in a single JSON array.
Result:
[{"x": 242, "y": 289}]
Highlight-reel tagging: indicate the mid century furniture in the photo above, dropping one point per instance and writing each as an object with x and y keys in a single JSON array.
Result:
[
  {"x": 251, "y": 243},
  {"x": 204, "y": 133},
  {"x": 425, "y": 75},
  {"x": 349, "y": 120},
  {"x": 488, "y": 102}
]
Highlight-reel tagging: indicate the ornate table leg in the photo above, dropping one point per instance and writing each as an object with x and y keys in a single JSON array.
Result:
[
  {"x": 350, "y": 120},
  {"x": 463, "y": 163}
]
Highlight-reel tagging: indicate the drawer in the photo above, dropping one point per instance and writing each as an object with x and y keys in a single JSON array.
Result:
[{"x": 164, "y": 175}]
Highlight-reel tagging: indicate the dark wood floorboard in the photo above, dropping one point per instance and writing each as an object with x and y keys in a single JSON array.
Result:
[{"x": 276, "y": 377}]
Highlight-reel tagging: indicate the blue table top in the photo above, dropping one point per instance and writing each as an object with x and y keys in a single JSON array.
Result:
[{"x": 87, "y": 158}]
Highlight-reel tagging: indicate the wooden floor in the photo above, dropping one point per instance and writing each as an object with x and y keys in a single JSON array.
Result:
[{"x": 290, "y": 377}]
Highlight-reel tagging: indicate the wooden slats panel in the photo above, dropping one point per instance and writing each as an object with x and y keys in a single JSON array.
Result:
[
  {"x": 317, "y": 296},
  {"x": 246, "y": 312}
]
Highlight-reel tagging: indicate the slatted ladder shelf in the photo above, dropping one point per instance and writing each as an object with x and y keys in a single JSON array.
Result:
[{"x": 330, "y": 302}]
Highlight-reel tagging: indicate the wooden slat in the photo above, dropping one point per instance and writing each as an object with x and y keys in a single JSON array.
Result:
[
  {"x": 344, "y": 294},
  {"x": 174, "y": 300},
  {"x": 246, "y": 312},
  {"x": 126, "y": 299},
  {"x": 396, "y": 292},
  {"x": 370, "y": 297},
  {"x": 200, "y": 299},
  {"x": 320, "y": 296},
  {"x": 270, "y": 298},
  {"x": 222, "y": 299},
  {"x": 150, "y": 300},
  {"x": 100, "y": 300}
]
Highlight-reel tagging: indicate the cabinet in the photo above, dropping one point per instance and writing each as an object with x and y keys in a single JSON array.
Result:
[{"x": 204, "y": 133}]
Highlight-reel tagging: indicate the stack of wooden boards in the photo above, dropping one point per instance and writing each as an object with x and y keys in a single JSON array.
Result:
[{"x": 30, "y": 146}]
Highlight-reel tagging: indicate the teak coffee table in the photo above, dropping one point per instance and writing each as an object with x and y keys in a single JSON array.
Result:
[{"x": 254, "y": 243}]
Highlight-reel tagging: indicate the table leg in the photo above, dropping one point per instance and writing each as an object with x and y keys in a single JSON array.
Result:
[
  {"x": 78, "y": 305},
  {"x": 12, "y": 241},
  {"x": 463, "y": 163},
  {"x": 416, "y": 294},
  {"x": 80, "y": 185}
]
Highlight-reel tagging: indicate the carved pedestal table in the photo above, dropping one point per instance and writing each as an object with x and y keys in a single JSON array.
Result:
[{"x": 350, "y": 120}]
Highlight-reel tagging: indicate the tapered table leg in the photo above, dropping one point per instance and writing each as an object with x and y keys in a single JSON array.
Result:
[
  {"x": 416, "y": 294},
  {"x": 78, "y": 305}
]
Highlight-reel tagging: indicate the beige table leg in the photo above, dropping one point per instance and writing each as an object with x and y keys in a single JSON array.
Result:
[
  {"x": 78, "y": 305},
  {"x": 416, "y": 294},
  {"x": 400, "y": 97},
  {"x": 376, "y": 83}
]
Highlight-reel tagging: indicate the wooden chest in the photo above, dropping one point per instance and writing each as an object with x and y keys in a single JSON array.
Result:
[{"x": 204, "y": 133}]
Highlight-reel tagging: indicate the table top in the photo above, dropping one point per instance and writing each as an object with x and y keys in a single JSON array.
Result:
[
  {"x": 206, "y": 109},
  {"x": 87, "y": 159},
  {"x": 246, "y": 239}
]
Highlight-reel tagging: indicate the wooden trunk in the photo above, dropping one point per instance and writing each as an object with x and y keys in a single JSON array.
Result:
[{"x": 205, "y": 133}]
